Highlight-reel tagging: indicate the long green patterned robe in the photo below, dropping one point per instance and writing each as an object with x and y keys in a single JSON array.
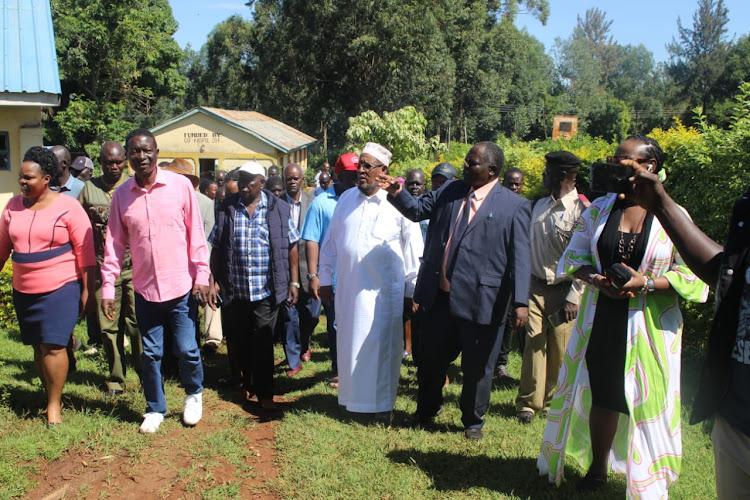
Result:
[{"x": 648, "y": 443}]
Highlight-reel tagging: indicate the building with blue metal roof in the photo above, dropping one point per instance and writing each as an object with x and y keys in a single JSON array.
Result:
[{"x": 29, "y": 80}]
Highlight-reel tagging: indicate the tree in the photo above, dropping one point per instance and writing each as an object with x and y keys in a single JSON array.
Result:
[
  {"x": 402, "y": 132},
  {"x": 319, "y": 63},
  {"x": 736, "y": 71},
  {"x": 639, "y": 82},
  {"x": 116, "y": 61},
  {"x": 613, "y": 89},
  {"x": 221, "y": 74},
  {"x": 594, "y": 27},
  {"x": 698, "y": 57},
  {"x": 532, "y": 80}
]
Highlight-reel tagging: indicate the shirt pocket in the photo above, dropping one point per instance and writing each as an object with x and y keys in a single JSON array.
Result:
[
  {"x": 564, "y": 228},
  {"x": 386, "y": 229}
]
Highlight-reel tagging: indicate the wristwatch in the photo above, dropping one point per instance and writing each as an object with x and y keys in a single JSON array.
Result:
[
  {"x": 648, "y": 285},
  {"x": 294, "y": 284},
  {"x": 312, "y": 275}
]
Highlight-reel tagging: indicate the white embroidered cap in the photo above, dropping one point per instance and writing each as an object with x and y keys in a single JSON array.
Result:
[{"x": 378, "y": 152}]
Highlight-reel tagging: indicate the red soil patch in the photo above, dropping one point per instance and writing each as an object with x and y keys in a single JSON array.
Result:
[{"x": 166, "y": 469}]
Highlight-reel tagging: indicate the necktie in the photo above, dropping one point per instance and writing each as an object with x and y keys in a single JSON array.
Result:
[{"x": 458, "y": 233}]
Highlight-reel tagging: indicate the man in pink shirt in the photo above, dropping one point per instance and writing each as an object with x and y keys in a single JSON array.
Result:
[{"x": 156, "y": 213}]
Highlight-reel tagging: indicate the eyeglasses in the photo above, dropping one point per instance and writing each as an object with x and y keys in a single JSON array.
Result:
[
  {"x": 619, "y": 158},
  {"x": 367, "y": 166}
]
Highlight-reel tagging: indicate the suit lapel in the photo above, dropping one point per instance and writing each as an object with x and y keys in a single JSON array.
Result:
[{"x": 304, "y": 199}]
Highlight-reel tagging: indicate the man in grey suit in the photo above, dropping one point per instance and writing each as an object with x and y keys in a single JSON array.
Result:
[
  {"x": 476, "y": 261},
  {"x": 301, "y": 319}
]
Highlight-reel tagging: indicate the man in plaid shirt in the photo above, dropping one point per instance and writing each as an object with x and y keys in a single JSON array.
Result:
[{"x": 254, "y": 261}]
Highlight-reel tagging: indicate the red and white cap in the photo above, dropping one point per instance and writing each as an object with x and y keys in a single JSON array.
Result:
[{"x": 347, "y": 161}]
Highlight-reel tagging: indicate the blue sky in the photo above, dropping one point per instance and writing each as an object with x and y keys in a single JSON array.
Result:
[{"x": 650, "y": 22}]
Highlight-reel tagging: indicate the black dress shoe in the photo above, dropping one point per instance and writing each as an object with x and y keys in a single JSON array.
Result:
[
  {"x": 416, "y": 419},
  {"x": 473, "y": 434}
]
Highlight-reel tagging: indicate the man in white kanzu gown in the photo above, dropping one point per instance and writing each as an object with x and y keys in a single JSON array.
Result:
[{"x": 376, "y": 251}]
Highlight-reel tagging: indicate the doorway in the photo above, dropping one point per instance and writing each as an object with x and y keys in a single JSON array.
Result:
[{"x": 207, "y": 165}]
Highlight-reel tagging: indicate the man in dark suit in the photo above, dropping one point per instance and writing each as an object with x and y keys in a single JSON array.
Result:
[
  {"x": 476, "y": 261},
  {"x": 301, "y": 319}
]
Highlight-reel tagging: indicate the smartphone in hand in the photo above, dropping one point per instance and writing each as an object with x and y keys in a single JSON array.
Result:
[
  {"x": 558, "y": 317},
  {"x": 611, "y": 178},
  {"x": 618, "y": 275}
]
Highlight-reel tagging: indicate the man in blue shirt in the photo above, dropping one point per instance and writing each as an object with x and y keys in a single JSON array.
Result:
[
  {"x": 317, "y": 219},
  {"x": 65, "y": 182}
]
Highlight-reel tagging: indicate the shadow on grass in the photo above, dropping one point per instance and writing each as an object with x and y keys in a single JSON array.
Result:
[
  {"x": 27, "y": 403},
  {"x": 504, "y": 409},
  {"x": 458, "y": 472},
  {"x": 517, "y": 477}
]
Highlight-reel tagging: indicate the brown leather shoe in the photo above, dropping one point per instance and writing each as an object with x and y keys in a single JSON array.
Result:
[
  {"x": 306, "y": 356},
  {"x": 293, "y": 373}
]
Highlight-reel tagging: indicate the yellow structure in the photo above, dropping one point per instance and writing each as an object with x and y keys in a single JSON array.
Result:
[
  {"x": 219, "y": 139},
  {"x": 20, "y": 128}
]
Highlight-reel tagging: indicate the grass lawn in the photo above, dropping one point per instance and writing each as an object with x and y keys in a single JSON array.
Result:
[{"x": 320, "y": 452}]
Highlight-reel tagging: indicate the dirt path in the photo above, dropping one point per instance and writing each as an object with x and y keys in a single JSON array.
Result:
[{"x": 167, "y": 469}]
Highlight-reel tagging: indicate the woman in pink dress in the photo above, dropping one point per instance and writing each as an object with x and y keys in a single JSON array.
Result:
[{"x": 52, "y": 247}]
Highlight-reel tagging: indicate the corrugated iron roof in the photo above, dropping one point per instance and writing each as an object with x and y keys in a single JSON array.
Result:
[
  {"x": 27, "y": 48},
  {"x": 279, "y": 134}
]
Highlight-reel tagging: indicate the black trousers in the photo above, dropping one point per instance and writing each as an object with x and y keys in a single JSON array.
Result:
[
  {"x": 249, "y": 326},
  {"x": 442, "y": 338}
]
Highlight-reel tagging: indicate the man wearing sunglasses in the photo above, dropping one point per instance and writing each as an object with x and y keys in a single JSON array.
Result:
[{"x": 375, "y": 252}]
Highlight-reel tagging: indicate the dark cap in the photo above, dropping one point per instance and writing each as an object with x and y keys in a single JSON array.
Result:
[
  {"x": 562, "y": 159},
  {"x": 446, "y": 170},
  {"x": 81, "y": 163}
]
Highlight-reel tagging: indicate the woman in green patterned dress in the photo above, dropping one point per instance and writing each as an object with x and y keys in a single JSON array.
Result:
[{"x": 617, "y": 402}]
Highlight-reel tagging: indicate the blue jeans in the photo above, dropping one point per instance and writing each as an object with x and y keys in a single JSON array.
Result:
[
  {"x": 180, "y": 314},
  {"x": 300, "y": 321}
]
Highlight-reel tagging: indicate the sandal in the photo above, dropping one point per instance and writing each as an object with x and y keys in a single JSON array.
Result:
[{"x": 333, "y": 382}]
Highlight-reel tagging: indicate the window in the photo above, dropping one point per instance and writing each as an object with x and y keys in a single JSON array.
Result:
[
  {"x": 4, "y": 151},
  {"x": 566, "y": 126}
]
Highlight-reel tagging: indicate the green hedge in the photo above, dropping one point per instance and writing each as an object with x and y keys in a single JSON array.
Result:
[{"x": 7, "y": 313}]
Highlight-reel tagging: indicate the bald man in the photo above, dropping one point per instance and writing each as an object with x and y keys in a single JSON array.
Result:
[
  {"x": 300, "y": 319},
  {"x": 95, "y": 197},
  {"x": 65, "y": 183}
]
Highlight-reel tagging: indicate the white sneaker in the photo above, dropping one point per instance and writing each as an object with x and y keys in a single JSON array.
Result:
[
  {"x": 151, "y": 422},
  {"x": 193, "y": 409}
]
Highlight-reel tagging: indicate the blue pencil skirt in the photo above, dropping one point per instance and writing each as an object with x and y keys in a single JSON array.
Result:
[{"x": 48, "y": 318}]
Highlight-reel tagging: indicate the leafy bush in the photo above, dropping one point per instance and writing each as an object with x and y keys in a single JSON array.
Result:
[
  {"x": 402, "y": 132},
  {"x": 529, "y": 157},
  {"x": 708, "y": 166},
  {"x": 707, "y": 171},
  {"x": 7, "y": 312}
]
